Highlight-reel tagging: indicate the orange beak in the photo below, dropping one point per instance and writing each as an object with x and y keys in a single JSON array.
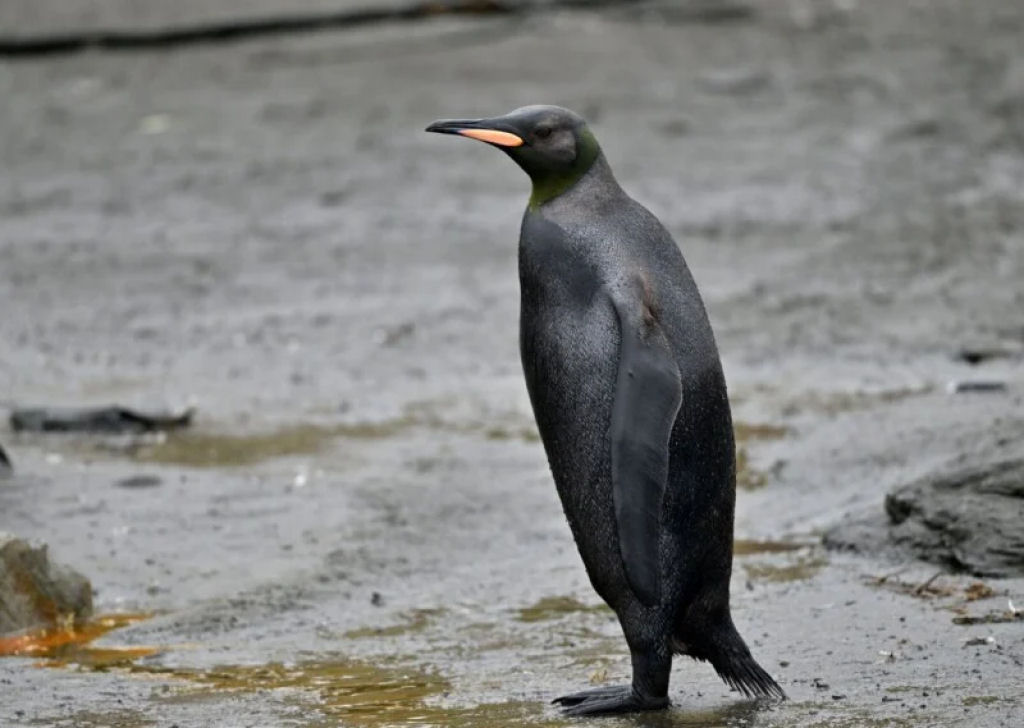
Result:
[
  {"x": 493, "y": 136},
  {"x": 484, "y": 130}
]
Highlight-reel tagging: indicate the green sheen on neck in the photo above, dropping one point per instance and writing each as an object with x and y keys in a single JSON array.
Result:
[{"x": 550, "y": 186}]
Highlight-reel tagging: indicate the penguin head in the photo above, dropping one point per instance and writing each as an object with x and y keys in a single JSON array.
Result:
[{"x": 553, "y": 145}]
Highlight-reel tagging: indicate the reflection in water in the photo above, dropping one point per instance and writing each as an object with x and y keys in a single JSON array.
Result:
[
  {"x": 70, "y": 643},
  {"x": 555, "y": 607}
]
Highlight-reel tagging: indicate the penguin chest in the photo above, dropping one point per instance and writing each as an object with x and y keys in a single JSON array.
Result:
[
  {"x": 569, "y": 346},
  {"x": 569, "y": 342},
  {"x": 570, "y": 357}
]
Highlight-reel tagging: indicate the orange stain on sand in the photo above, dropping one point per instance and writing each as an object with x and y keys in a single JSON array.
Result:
[{"x": 69, "y": 643}]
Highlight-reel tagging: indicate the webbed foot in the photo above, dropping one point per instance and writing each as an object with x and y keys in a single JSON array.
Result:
[{"x": 606, "y": 701}]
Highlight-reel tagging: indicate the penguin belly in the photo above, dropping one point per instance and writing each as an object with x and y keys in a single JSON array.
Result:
[{"x": 570, "y": 361}]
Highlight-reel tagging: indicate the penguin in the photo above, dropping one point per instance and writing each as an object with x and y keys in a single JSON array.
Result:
[{"x": 627, "y": 388}]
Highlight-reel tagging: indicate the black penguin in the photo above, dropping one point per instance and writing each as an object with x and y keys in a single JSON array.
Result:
[{"x": 630, "y": 400}]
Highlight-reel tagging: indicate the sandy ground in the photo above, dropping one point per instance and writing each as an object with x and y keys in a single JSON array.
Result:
[{"x": 361, "y": 530}]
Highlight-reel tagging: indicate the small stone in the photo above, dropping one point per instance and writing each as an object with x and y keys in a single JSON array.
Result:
[
  {"x": 35, "y": 592},
  {"x": 979, "y": 385},
  {"x": 139, "y": 481}
]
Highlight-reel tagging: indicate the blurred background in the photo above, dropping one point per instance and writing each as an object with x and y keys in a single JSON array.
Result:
[{"x": 230, "y": 210}]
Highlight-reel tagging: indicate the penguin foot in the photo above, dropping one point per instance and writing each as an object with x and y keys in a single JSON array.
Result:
[{"x": 605, "y": 701}]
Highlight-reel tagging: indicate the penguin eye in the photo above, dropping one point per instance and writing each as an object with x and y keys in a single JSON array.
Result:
[{"x": 542, "y": 132}]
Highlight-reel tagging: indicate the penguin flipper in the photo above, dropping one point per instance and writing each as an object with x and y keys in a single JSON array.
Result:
[{"x": 648, "y": 393}]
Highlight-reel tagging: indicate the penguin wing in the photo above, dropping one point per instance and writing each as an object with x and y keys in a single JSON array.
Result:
[{"x": 648, "y": 393}]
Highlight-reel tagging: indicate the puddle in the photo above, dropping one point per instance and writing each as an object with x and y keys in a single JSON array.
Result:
[
  {"x": 801, "y": 570},
  {"x": 415, "y": 620},
  {"x": 524, "y": 433},
  {"x": 344, "y": 691},
  {"x": 747, "y": 477},
  {"x": 68, "y": 643},
  {"x": 746, "y": 547},
  {"x": 333, "y": 690},
  {"x": 361, "y": 693},
  {"x": 350, "y": 693},
  {"x": 746, "y": 431},
  {"x": 555, "y": 607},
  {"x": 793, "y": 567},
  {"x": 199, "y": 449},
  {"x": 984, "y": 700},
  {"x": 208, "y": 450}
]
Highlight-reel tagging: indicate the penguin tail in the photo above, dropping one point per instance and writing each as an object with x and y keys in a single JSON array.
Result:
[
  {"x": 731, "y": 658},
  {"x": 741, "y": 672}
]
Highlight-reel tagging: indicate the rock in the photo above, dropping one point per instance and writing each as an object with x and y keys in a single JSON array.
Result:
[
  {"x": 968, "y": 520},
  {"x": 108, "y": 420},
  {"x": 975, "y": 385},
  {"x": 981, "y": 352},
  {"x": 139, "y": 481},
  {"x": 34, "y": 592},
  {"x": 5, "y": 463}
]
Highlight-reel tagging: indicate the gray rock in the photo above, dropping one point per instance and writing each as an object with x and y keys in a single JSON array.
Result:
[
  {"x": 968, "y": 520},
  {"x": 107, "y": 420},
  {"x": 34, "y": 591}
]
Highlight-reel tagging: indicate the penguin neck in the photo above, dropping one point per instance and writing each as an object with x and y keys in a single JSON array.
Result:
[
  {"x": 548, "y": 185},
  {"x": 595, "y": 186}
]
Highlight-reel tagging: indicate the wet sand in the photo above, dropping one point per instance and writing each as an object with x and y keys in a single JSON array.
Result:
[{"x": 361, "y": 529}]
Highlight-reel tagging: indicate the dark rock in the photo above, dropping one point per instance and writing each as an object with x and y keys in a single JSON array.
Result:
[
  {"x": 959, "y": 387},
  {"x": 968, "y": 520},
  {"x": 105, "y": 420},
  {"x": 975, "y": 355},
  {"x": 1009, "y": 615},
  {"x": 5, "y": 463},
  {"x": 35, "y": 592},
  {"x": 707, "y": 12},
  {"x": 139, "y": 481}
]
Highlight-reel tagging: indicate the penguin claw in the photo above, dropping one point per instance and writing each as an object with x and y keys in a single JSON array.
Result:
[
  {"x": 609, "y": 700},
  {"x": 576, "y": 698}
]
